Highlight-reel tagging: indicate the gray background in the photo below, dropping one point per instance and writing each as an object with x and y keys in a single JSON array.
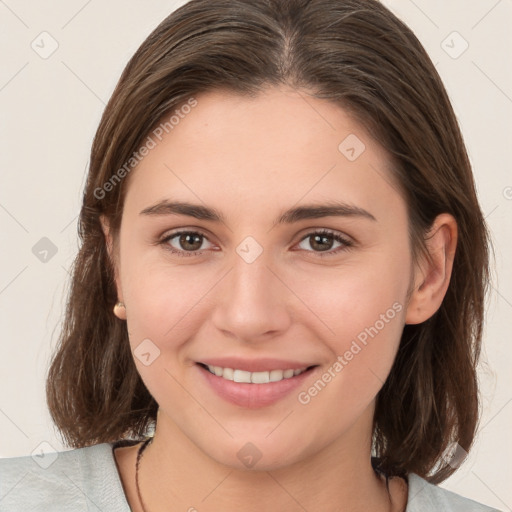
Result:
[{"x": 50, "y": 107}]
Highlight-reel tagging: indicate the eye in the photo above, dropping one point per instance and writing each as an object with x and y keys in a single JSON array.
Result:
[
  {"x": 189, "y": 243},
  {"x": 320, "y": 240}
]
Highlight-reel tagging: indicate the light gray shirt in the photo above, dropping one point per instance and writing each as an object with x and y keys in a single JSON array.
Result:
[{"x": 87, "y": 479}]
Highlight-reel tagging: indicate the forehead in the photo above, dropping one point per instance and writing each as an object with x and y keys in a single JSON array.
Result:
[{"x": 281, "y": 147}]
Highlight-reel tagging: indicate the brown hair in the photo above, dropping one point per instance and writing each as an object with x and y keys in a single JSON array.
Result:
[{"x": 357, "y": 54}]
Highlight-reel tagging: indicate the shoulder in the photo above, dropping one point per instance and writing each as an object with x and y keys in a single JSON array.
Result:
[
  {"x": 81, "y": 479},
  {"x": 426, "y": 497}
]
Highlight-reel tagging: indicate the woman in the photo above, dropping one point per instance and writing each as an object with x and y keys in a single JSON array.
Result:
[{"x": 278, "y": 300}]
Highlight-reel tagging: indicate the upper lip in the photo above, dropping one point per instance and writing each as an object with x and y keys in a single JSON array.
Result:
[{"x": 255, "y": 365}]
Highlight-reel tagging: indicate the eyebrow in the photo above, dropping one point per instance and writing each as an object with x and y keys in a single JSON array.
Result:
[{"x": 309, "y": 211}]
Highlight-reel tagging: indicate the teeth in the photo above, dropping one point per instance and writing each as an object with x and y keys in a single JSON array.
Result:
[
  {"x": 241, "y": 376},
  {"x": 227, "y": 373},
  {"x": 254, "y": 377}
]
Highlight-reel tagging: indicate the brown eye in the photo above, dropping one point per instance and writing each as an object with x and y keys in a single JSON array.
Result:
[
  {"x": 189, "y": 243},
  {"x": 323, "y": 241},
  {"x": 185, "y": 243}
]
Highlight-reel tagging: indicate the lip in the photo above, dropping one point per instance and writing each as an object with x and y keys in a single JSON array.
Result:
[
  {"x": 255, "y": 365},
  {"x": 253, "y": 396}
]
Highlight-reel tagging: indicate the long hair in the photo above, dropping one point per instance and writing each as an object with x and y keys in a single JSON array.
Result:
[{"x": 360, "y": 56}]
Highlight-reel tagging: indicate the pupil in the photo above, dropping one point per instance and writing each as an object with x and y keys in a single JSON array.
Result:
[
  {"x": 321, "y": 239},
  {"x": 189, "y": 239}
]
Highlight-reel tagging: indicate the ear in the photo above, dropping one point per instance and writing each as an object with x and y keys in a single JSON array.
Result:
[
  {"x": 431, "y": 278},
  {"x": 109, "y": 241}
]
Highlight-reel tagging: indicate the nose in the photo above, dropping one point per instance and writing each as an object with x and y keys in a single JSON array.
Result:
[{"x": 253, "y": 303}]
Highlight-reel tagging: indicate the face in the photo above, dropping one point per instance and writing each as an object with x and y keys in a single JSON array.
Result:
[{"x": 257, "y": 289}]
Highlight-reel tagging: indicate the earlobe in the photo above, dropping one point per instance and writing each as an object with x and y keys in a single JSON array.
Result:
[
  {"x": 119, "y": 308},
  {"x": 432, "y": 275}
]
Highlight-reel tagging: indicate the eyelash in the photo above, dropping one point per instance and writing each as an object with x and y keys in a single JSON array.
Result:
[{"x": 346, "y": 244}]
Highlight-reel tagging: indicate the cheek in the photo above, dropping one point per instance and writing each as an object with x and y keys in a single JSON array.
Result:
[
  {"x": 352, "y": 298},
  {"x": 162, "y": 310},
  {"x": 365, "y": 313},
  {"x": 160, "y": 293},
  {"x": 161, "y": 303},
  {"x": 362, "y": 311}
]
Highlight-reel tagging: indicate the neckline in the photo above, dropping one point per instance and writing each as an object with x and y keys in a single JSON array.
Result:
[{"x": 132, "y": 442}]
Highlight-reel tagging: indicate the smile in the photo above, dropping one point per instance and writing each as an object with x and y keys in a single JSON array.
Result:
[{"x": 236, "y": 375}]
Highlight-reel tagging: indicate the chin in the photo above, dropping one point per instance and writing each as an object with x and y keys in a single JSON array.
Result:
[{"x": 253, "y": 453}]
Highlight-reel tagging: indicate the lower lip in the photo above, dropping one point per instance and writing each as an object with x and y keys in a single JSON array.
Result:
[{"x": 253, "y": 396}]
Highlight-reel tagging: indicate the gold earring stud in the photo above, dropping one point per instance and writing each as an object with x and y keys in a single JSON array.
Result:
[{"x": 120, "y": 310}]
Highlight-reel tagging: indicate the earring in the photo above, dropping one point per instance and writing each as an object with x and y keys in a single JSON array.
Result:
[{"x": 120, "y": 310}]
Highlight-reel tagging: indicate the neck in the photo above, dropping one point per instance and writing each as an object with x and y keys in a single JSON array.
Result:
[{"x": 175, "y": 473}]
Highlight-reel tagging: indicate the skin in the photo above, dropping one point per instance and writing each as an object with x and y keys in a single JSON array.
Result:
[{"x": 251, "y": 159}]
